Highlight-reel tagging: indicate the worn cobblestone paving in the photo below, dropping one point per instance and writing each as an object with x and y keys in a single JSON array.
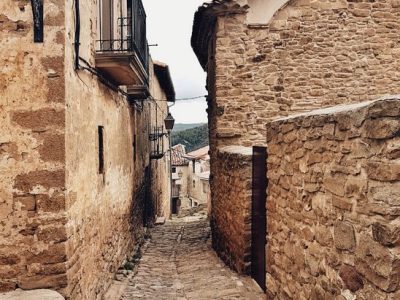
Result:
[{"x": 180, "y": 264}]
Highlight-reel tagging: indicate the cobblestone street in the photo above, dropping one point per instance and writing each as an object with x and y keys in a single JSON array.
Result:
[{"x": 180, "y": 264}]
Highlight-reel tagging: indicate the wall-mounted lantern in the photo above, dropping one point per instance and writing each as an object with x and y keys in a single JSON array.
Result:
[{"x": 169, "y": 122}]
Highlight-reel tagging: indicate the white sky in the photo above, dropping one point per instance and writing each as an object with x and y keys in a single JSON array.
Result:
[{"x": 169, "y": 24}]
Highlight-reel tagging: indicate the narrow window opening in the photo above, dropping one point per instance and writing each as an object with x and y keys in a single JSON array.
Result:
[
  {"x": 134, "y": 147},
  {"x": 101, "y": 149}
]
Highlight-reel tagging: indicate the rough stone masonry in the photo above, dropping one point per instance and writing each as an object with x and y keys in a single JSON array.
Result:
[
  {"x": 58, "y": 214},
  {"x": 334, "y": 203},
  {"x": 303, "y": 55},
  {"x": 231, "y": 207}
]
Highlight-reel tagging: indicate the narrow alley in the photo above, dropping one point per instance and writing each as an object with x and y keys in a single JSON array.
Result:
[{"x": 180, "y": 264}]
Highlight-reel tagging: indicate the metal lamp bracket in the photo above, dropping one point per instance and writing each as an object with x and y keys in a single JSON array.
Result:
[{"x": 37, "y": 9}]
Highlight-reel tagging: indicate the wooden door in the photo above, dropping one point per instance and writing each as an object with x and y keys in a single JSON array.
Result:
[{"x": 259, "y": 219}]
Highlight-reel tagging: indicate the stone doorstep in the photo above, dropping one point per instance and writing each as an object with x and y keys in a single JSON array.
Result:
[{"x": 31, "y": 295}]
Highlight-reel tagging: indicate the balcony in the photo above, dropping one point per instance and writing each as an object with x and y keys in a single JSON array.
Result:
[
  {"x": 122, "y": 52},
  {"x": 156, "y": 138}
]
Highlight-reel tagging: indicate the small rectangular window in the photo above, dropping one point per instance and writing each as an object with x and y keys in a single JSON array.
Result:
[
  {"x": 134, "y": 147},
  {"x": 101, "y": 149},
  {"x": 204, "y": 187},
  {"x": 173, "y": 170}
]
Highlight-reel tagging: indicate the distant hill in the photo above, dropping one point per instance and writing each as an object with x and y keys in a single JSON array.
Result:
[
  {"x": 193, "y": 138},
  {"x": 180, "y": 127}
]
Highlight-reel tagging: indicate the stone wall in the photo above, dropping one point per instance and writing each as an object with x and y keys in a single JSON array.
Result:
[
  {"x": 312, "y": 54},
  {"x": 64, "y": 225},
  {"x": 160, "y": 172},
  {"x": 333, "y": 203},
  {"x": 32, "y": 152},
  {"x": 105, "y": 210},
  {"x": 230, "y": 217}
]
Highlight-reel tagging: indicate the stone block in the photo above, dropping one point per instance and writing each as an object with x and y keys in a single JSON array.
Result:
[
  {"x": 384, "y": 192},
  {"x": 47, "y": 269},
  {"x": 44, "y": 178},
  {"x": 53, "y": 148},
  {"x": 323, "y": 236},
  {"x": 46, "y": 203},
  {"x": 335, "y": 185},
  {"x": 26, "y": 202},
  {"x": 387, "y": 234},
  {"x": 381, "y": 171},
  {"x": 378, "y": 264},
  {"x": 352, "y": 280},
  {"x": 9, "y": 258},
  {"x": 6, "y": 286},
  {"x": 383, "y": 128},
  {"x": 342, "y": 203},
  {"x": 43, "y": 282},
  {"x": 54, "y": 254},
  {"x": 52, "y": 234},
  {"x": 393, "y": 149},
  {"x": 344, "y": 236},
  {"x": 39, "y": 120}
]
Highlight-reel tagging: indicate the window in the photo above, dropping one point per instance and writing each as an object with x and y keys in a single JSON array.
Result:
[
  {"x": 205, "y": 187},
  {"x": 134, "y": 147},
  {"x": 194, "y": 183},
  {"x": 105, "y": 24},
  {"x": 194, "y": 166},
  {"x": 173, "y": 170},
  {"x": 101, "y": 149}
]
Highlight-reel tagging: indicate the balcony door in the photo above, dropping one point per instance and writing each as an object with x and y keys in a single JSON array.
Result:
[
  {"x": 106, "y": 25},
  {"x": 129, "y": 23}
]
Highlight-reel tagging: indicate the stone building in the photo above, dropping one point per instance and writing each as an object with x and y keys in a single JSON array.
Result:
[
  {"x": 269, "y": 60},
  {"x": 199, "y": 174},
  {"x": 81, "y": 114},
  {"x": 180, "y": 176}
]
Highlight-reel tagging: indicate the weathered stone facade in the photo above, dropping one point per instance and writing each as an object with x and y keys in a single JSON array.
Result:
[
  {"x": 64, "y": 224},
  {"x": 32, "y": 151},
  {"x": 231, "y": 206},
  {"x": 307, "y": 56},
  {"x": 271, "y": 59},
  {"x": 333, "y": 203},
  {"x": 199, "y": 174},
  {"x": 160, "y": 169}
]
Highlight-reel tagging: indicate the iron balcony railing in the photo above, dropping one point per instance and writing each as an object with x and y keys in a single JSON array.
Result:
[
  {"x": 157, "y": 142},
  {"x": 130, "y": 34}
]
